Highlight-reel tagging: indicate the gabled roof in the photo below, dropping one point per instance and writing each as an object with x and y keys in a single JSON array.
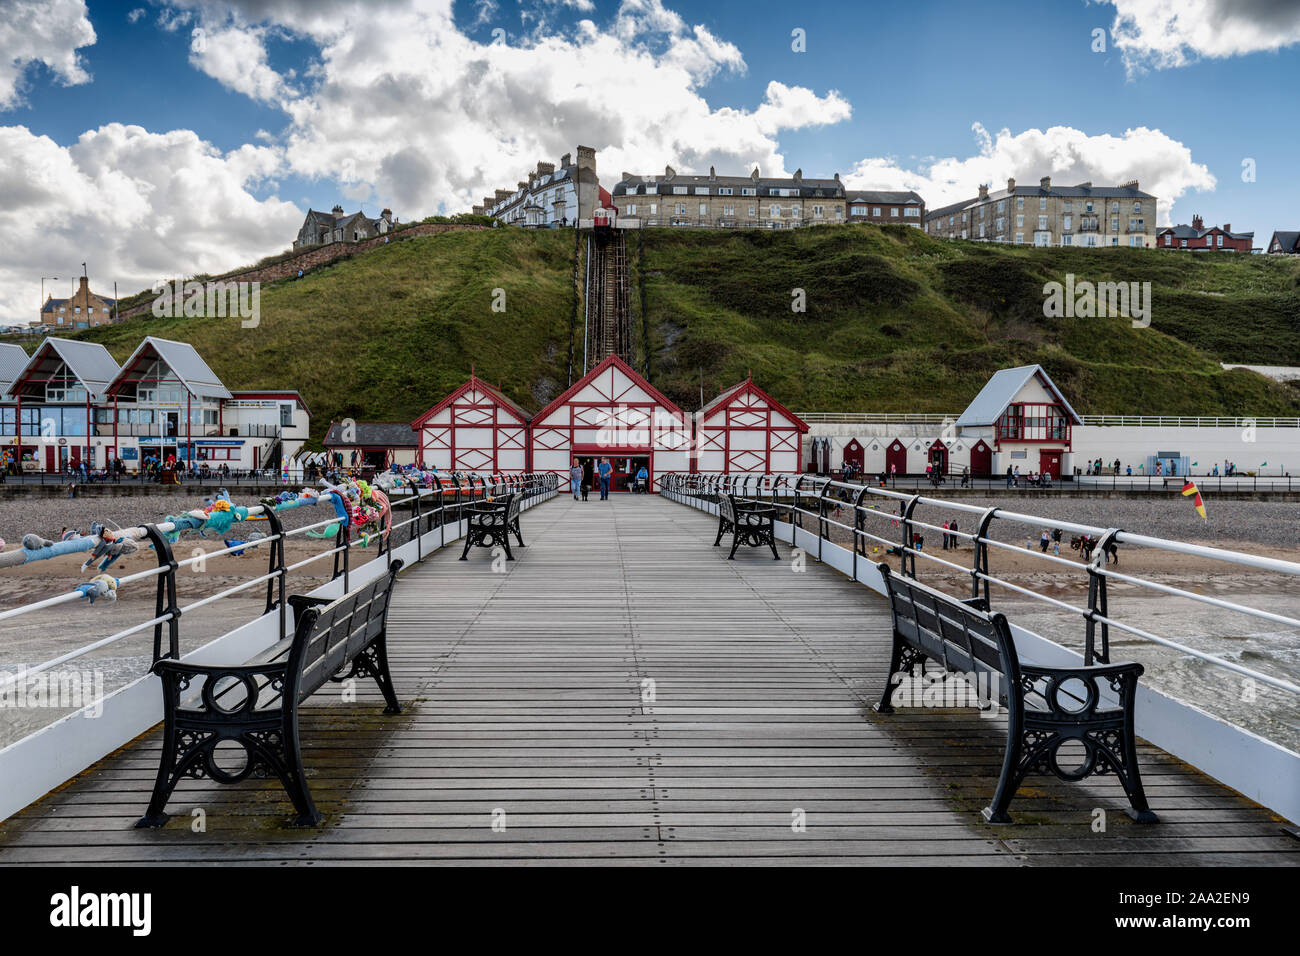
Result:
[
  {"x": 1001, "y": 390},
  {"x": 12, "y": 360},
  {"x": 183, "y": 360},
  {"x": 1184, "y": 231},
  {"x": 885, "y": 197},
  {"x": 90, "y": 362},
  {"x": 474, "y": 383},
  {"x": 1289, "y": 241},
  {"x": 748, "y": 387},
  {"x": 373, "y": 435},
  {"x": 623, "y": 367}
]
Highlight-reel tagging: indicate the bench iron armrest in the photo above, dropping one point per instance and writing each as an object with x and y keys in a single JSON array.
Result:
[
  {"x": 254, "y": 678},
  {"x": 300, "y": 602}
]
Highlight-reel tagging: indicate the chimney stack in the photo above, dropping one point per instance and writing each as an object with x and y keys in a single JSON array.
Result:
[
  {"x": 1197, "y": 222},
  {"x": 798, "y": 175},
  {"x": 1227, "y": 227},
  {"x": 984, "y": 191},
  {"x": 1046, "y": 182},
  {"x": 1011, "y": 186},
  {"x": 565, "y": 160},
  {"x": 669, "y": 172}
]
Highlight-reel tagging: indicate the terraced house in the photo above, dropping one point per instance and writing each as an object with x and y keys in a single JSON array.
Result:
[
  {"x": 886, "y": 206},
  {"x": 551, "y": 196},
  {"x": 1047, "y": 215},
  {"x": 728, "y": 202}
]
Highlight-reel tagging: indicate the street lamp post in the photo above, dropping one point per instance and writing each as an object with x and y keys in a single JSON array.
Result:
[{"x": 43, "y": 278}]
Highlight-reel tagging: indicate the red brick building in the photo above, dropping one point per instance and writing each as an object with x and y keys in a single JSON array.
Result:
[{"x": 1196, "y": 236}]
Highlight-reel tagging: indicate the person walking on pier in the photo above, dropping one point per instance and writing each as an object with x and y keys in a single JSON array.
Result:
[
  {"x": 606, "y": 472},
  {"x": 575, "y": 478}
]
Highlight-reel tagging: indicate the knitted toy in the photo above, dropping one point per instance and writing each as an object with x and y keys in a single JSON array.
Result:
[{"x": 100, "y": 586}]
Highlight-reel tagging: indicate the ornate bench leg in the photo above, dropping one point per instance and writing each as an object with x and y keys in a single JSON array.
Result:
[
  {"x": 505, "y": 541},
  {"x": 165, "y": 783},
  {"x": 736, "y": 536},
  {"x": 469, "y": 542},
  {"x": 771, "y": 541},
  {"x": 287, "y": 764},
  {"x": 722, "y": 529},
  {"x": 903, "y": 659},
  {"x": 1013, "y": 771},
  {"x": 514, "y": 527}
]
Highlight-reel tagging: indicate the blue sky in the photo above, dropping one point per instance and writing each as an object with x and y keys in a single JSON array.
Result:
[{"x": 250, "y": 111}]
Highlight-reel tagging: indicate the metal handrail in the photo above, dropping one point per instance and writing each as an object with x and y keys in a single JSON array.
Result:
[
  {"x": 467, "y": 488},
  {"x": 826, "y": 494}
]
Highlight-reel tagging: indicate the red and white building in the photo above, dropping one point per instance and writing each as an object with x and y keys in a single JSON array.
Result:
[
  {"x": 745, "y": 430},
  {"x": 475, "y": 428},
  {"x": 612, "y": 412},
  {"x": 1196, "y": 236}
]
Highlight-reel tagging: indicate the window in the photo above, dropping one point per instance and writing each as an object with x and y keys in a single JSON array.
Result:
[
  {"x": 1114, "y": 223},
  {"x": 1114, "y": 207},
  {"x": 748, "y": 191},
  {"x": 839, "y": 212},
  {"x": 1068, "y": 222},
  {"x": 654, "y": 209},
  {"x": 725, "y": 191},
  {"x": 894, "y": 212},
  {"x": 1042, "y": 222},
  {"x": 631, "y": 209},
  {"x": 1136, "y": 225},
  {"x": 1002, "y": 205},
  {"x": 1218, "y": 240},
  {"x": 286, "y": 415},
  {"x": 1137, "y": 208},
  {"x": 1135, "y": 241},
  {"x": 794, "y": 212},
  {"x": 704, "y": 210},
  {"x": 1067, "y": 240},
  {"x": 819, "y": 212},
  {"x": 1020, "y": 236},
  {"x": 701, "y": 190},
  {"x": 728, "y": 211},
  {"x": 981, "y": 230},
  {"x": 77, "y": 310},
  {"x": 679, "y": 190},
  {"x": 911, "y": 212},
  {"x": 1020, "y": 222},
  {"x": 875, "y": 211},
  {"x": 681, "y": 209},
  {"x": 1183, "y": 243},
  {"x": 1087, "y": 207},
  {"x": 1020, "y": 202},
  {"x": 858, "y": 210},
  {"x": 753, "y": 210},
  {"x": 774, "y": 211}
]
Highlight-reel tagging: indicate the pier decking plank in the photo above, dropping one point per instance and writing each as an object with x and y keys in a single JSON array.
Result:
[{"x": 621, "y": 693}]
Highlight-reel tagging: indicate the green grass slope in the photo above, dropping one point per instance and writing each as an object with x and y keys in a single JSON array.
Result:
[{"x": 894, "y": 321}]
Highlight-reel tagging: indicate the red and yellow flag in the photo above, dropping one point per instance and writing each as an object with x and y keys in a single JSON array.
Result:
[{"x": 1191, "y": 489}]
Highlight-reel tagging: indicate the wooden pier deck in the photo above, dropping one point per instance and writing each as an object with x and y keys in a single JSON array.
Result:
[{"x": 529, "y": 705}]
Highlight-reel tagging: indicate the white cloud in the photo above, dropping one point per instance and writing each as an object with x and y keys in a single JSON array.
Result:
[
  {"x": 1162, "y": 165},
  {"x": 1162, "y": 34},
  {"x": 135, "y": 15},
  {"x": 137, "y": 206},
  {"x": 406, "y": 106},
  {"x": 41, "y": 31},
  {"x": 234, "y": 54}
]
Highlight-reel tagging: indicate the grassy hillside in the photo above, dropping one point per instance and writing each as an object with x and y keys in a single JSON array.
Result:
[{"x": 895, "y": 321}]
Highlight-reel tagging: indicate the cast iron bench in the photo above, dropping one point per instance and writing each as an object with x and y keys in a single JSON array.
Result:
[
  {"x": 748, "y": 522},
  {"x": 1047, "y": 707},
  {"x": 491, "y": 523},
  {"x": 256, "y": 704}
]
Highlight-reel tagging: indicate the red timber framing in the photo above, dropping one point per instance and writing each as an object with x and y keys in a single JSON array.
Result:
[
  {"x": 475, "y": 428},
  {"x": 611, "y": 412},
  {"x": 744, "y": 430}
]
